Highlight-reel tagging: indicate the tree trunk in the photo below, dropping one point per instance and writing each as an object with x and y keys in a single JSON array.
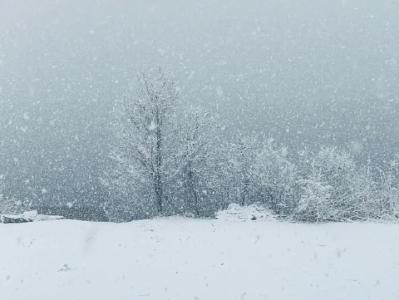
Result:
[
  {"x": 158, "y": 165},
  {"x": 245, "y": 191},
  {"x": 191, "y": 186}
]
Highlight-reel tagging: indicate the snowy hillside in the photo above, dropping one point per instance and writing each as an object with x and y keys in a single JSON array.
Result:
[{"x": 177, "y": 258}]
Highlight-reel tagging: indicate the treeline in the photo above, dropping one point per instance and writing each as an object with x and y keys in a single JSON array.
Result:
[{"x": 170, "y": 158}]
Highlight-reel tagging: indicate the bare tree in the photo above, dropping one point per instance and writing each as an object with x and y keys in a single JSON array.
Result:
[
  {"x": 246, "y": 149},
  {"x": 146, "y": 133},
  {"x": 276, "y": 177},
  {"x": 198, "y": 159}
]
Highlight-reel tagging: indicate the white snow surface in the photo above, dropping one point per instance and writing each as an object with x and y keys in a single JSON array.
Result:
[{"x": 179, "y": 258}]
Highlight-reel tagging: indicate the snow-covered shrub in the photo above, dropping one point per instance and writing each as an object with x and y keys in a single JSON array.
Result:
[
  {"x": 337, "y": 169},
  {"x": 336, "y": 189},
  {"x": 252, "y": 212},
  {"x": 315, "y": 204},
  {"x": 277, "y": 178},
  {"x": 388, "y": 190}
]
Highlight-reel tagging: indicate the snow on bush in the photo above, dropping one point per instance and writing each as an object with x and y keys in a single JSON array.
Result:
[{"x": 252, "y": 212}]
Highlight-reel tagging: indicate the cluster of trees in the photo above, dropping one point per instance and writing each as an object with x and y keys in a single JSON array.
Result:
[
  {"x": 167, "y": 159},
  {"x": 171, "y": 158}
]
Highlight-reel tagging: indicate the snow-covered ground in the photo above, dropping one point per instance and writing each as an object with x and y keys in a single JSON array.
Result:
[{"x": 177, "y": 258}]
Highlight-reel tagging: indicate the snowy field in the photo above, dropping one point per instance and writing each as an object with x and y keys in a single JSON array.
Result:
[{"x": 177, "y": 258}]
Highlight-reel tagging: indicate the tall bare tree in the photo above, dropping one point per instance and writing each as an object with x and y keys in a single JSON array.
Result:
[
  {"x": 197, "y": 160},
  {"x": 146, "y": 132}
]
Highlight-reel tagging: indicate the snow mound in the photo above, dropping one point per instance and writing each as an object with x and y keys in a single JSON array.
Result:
[
  {"x": 28, "y": 216},
  {"x": 253, "y": 212}
]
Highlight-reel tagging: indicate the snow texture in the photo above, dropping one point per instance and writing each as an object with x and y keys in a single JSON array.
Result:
[{"x": 178, "y": 258}]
